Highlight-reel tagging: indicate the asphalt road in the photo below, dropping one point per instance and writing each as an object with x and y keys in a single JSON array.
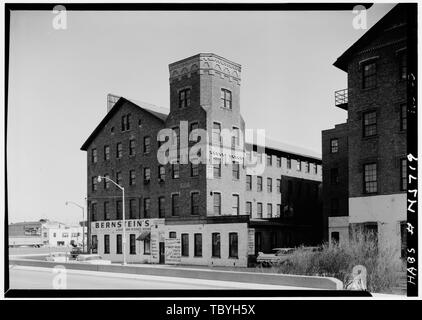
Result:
[{"x": 23, "y": 277}]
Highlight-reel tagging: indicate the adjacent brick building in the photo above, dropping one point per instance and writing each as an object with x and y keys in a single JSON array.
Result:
[
  {"x": 364, "y": 159},
  {"x": 221, "y": 212}
]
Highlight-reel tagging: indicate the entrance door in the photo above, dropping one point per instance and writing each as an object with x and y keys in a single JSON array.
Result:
[{"x": 161, "y": 253}]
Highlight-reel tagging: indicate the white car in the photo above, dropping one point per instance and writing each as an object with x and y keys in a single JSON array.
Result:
[
  {"x": 57, "y": 257},
  {"x": 92, "y": 259}
]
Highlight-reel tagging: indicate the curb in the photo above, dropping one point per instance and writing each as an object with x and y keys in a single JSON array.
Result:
[{"x": 311, "y": 282}]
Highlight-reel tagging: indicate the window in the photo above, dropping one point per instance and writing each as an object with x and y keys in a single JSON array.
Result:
[
  {"x": 370, "y": 231},
  {"x": 403, "y": 117},
  {"x": 278, "y": 162},
  {"x": 289, "y": 163},
  {"x": 106, "y": 181},
  {"x": 216, "y": 134},
  {"x": 175, "y": 204},
  {"x": 369, "y": 124},
  {"x": 269, "y": 185},
  {"x": 194, "y": 169},
  {"x": 217, "y": 168},
  {"x": 269, "y": 210},
  {"x": 119, "y": 178},
  {"x": 94, "y": 245},
  {"x": 334, "y": 179},
  {"x": 197, "y": 245},
  {"x": 278, "y": 213},
  {"x": 334, "y": 207},
  {"x": 269, "y": 160},
  {"x": 369, "y": 75},
  {"x": 259, "y": 210},
  {"x": 402, "y": 66},
  {"x": 334, "y": 145},
  {"x": 298, "y": 165},
  {"x": 194, "y": 200},
  {"x": 176, "y": 131},
  {"x": 132, "y": 145},
  {"x": 184, "y": 98},
  {"x": 94, "y": 211},
  {"x": 132, "y": 209},
  {"x": 185, "y": 245},
  {"x": 235, "y": 138},
  {"x": 94, "y": 155},
  {"x": 147, "y": 207},
  {"x": 106, "y": 211},
  {"x": 147, "y": 175},
  {"x": 217, "y": 203},
  {"x": 315, "y": 169},
  {"x": 119, "y": 209},
  {"x": 94, "y": 181},
  {"x": 175, "y": 170},
  {"x": 226, "y": 99},
  {"x": 162, "y": 173},
  {"x": 235, "y": 205},
  {"x": 307, "y": 166},
  {"x": 259, "y": 183},
  {"x": 259, "y": 158},
  {"x": 403, "y": 174},
  {"x": 132, "y": 177},
  {"x": 132, "y": 244},
  {"x": 248, "y": 182},
  {"x": 249, "y": 208},
  {"x": 126, "y": 122},
  {"x": 403, "y": 239},
  {"x": 335, "y": 237},
  {"x": 370, "y": 178},
  {"x": 278, "y": 185},
  {"x": 258, "y": 241},
  {"x": 161, "y": 207},
  {"x": 119, "y": 150},
  {"x": 147, "y": 246},
  {"x": 233, "y": 245},
  {"x": 147, "y": 145},
  {"x": 235, "y": 170},
  {"x": 106, "y": 244},
  {"x": 215, "y": 250},
  {"x": 106, "y": 152},
  {"x": 274, "y": 239},
  {"x": 119, "y": 244}
]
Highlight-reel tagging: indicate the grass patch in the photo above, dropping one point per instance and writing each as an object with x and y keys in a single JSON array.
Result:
[{"x": 382, "y": 264}]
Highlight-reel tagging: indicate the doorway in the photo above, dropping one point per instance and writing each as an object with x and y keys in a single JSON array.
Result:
[{"x": 161, "y": 247}]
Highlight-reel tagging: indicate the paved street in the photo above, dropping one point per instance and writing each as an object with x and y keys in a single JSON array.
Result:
[{"x": 22, "y": 277}]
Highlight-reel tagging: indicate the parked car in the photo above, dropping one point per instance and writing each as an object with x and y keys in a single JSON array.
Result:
[
  {"x": 57, "y": 257},
  {"x": 279, "y": 255},
  {"x": 92, "y": 259}
]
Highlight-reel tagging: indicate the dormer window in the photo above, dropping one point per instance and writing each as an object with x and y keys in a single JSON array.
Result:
[
  {"x": 226, "y": 99},
  {"x": 126, "y": 122},
  {"x": 184, "y": 98}
]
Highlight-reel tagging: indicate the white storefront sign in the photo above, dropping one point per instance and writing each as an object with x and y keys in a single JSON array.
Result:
[
  {"x": 173, "y": 251},
  {"x": 132, "y": 225},
  {"x": 251, "y": 241}
]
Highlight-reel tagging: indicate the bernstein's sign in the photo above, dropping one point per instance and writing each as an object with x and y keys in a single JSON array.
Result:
[{"x": 131, "y": 225}]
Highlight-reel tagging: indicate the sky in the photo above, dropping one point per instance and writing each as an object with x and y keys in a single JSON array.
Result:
[{"x": 59, "y": 81}]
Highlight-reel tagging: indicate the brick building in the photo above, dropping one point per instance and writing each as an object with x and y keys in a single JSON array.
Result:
[
  {"x": 364, "y": 159},
  {"x": 221, "y": 211}
]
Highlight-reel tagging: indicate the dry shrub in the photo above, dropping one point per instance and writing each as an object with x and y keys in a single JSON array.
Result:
[{"x": 382, "y": 264}]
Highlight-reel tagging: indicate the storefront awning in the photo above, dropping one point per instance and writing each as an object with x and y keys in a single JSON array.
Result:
[{"x": 144, "y": 235}]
